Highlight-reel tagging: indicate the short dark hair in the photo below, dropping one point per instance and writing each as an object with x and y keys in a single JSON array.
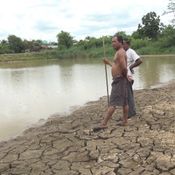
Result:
[
  {"x": 119, "y": 38},
  {"x": 127, "y": 41}
]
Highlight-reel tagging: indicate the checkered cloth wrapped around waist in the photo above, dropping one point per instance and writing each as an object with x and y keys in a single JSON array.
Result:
[{"x": 119, "y": 92}]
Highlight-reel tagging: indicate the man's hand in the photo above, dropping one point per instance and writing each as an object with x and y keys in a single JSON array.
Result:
[
  {"x": 106, "y": 61},
  {"x": 130, "y": 78},
  {"x": 137, "y": 63},
  {"x": 132, "y": 71}
]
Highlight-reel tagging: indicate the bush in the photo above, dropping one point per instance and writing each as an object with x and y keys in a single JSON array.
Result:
[{"x": 139, "y": 43}]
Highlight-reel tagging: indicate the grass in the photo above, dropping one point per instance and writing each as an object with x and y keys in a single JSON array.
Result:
[{"x": 75, "y": 52}]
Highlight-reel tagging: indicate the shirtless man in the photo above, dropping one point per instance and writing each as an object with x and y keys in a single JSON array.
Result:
[{"x": 118, "y": 95}]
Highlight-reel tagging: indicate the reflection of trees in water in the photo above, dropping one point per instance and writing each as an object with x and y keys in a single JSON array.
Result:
[
  {"x": 70, "y": 70},
  {"x": 17, "y": 76},
  {"x": 67, "y": 73},
  {"x": 65, "y": 76},
  {"x": 153, "y": 69},
  {"x": 23, "y": 64},
  {"x": 150, "y": 71}
]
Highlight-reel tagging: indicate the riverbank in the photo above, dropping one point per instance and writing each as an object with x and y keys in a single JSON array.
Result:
[
  {"x": 66, "y": 146},
  {"x": 28, "y": 56},
  {"x": 67, "y": 54}
]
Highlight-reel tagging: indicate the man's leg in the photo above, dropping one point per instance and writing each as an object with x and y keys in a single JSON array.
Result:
[
  {"x": 131, "y": 103},
  {"x": 108, "y": 115},
  {"x": 125, "y": 114}
]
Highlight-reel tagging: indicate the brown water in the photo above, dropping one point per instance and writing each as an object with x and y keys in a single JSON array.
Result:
[{"x": 30, "y": 91}]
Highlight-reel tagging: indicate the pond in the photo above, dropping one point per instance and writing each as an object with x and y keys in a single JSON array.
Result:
[{"x": 30, "y": 91}]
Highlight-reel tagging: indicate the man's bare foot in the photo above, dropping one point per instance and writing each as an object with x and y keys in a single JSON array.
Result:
[
  {"x": 123, "y": 123},
  {"x": 98, "y": 128}
]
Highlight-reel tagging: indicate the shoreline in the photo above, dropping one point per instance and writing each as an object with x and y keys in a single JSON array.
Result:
[
  {"x": 157, "y": 55},
  {"x": 65, "y": 145},
  {"x": 36, "y": 56}
]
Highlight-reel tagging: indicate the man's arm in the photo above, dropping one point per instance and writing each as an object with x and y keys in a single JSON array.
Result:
[
  {"x": 106, "y": 61},
  {"x": 136, "y": 58},
  {"x": 136, "y": 63}
]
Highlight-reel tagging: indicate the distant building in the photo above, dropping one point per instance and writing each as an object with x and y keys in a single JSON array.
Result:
[
  {"x": 53, "y": 46},
  {"x": 48, "y": 46}
]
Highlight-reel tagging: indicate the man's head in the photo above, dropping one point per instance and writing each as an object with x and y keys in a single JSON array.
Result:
[
  {"x": 117, "y": 42},
  {"x": 126, "y": 44}
]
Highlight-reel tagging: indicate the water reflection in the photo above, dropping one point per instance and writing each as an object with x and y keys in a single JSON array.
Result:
[
  {"x": 154, "y": 71},
  {"x": 30, "y": 91}
]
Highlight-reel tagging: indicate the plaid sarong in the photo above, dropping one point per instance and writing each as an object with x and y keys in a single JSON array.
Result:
[{"x": 119, "y": 92}]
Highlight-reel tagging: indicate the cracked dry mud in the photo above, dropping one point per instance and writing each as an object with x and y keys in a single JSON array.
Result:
[{"x": 65, "y": 146}]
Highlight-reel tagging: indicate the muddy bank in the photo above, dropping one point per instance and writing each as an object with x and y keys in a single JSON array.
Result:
[{"x": 65, "y": 146}]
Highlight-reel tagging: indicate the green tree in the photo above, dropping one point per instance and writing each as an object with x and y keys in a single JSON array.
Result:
[
  {"x": 4, "y": 42},
  {"x": 136, "y": 35},
  {"x": 4, "y": 47},
  {"x": 15, "y": 44},
  {"x": 171, "y": 9},
  {"x": 150, "y": 27},
  {"x": 65, "y": 40},
  {"x": 167, "y": 37}
]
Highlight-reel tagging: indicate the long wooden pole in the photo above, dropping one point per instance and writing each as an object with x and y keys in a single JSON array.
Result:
[{"x": 106, "y": 73}]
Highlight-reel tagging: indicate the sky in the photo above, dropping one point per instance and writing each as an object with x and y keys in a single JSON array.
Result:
[{"x": 44, "y": 19}]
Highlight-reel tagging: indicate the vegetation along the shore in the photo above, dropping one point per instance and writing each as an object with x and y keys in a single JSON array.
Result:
[{"x": 151, "y": 37}]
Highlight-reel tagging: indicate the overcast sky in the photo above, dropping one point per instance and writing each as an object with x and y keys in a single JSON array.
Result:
[{"x": 44, "y": 19}]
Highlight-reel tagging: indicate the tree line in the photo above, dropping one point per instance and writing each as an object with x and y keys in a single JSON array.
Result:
[
  {"x": 15, "y": 44},
  {"x": 151, "y": 37}
]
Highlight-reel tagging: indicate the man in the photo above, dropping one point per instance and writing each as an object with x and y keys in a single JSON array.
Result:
[
  {"x": 119, "y": 96},
  {"x": 133, "y": 60}
]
